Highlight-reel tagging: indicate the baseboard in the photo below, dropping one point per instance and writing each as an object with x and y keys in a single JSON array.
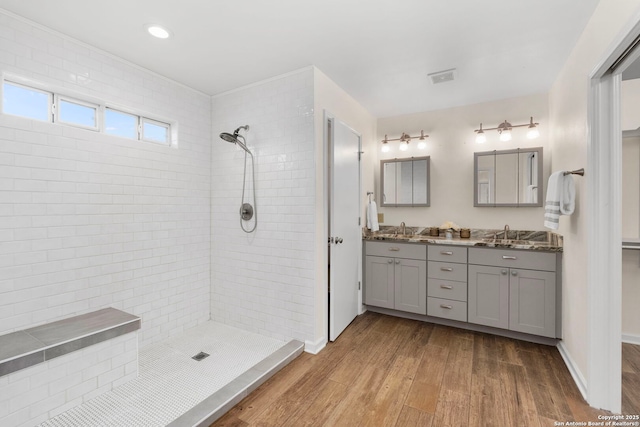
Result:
[
  {"x": 577, "y": 376},
  {"x": 631, "y": 339},
  {"x": 315, "y": 347}
]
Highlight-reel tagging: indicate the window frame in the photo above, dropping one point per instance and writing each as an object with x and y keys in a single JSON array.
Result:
[
  {"x": 55, "y": 95},
  {"x": 137, "y": 137},
  {"x": 50, "y": 96},
  {"x": 154, "y": 122},
  {"x": 58, "y": 99}
]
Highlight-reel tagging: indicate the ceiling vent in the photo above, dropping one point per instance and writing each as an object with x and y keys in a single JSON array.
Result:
[{"x": 443, "y": 76}]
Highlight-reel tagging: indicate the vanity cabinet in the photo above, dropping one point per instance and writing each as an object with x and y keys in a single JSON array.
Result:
[
  {"x": 396, "y": 276},
  {"x": 447, "y": 282},
  {"x": 513, "y": 290}
]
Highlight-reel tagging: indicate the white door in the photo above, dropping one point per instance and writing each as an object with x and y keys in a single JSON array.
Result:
[{"x": 344, "y": 228}]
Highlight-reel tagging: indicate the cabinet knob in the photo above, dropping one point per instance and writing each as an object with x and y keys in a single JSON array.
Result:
[
  {"x": 514, "y": 273},
  {"x": 503, "y": 271},
  {"x": 397, "y": 261},
  {"x": 390, "y": 261}
]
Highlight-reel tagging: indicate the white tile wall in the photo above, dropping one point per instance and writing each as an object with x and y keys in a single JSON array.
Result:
[
  {"x": 34, "y": 395},
  {"x": 264, "y": 281},
  {"x": 88, "y": 220}
]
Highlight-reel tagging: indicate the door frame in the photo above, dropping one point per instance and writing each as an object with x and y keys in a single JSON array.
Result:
[
  {"x": 326, "y": 151},
  {"x": 604, "y": 208}
]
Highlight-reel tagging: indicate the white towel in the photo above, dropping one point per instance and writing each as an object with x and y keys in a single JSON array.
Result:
[
  {"x": 561, "y": 196},
  {"x": 372, "y": 216}
]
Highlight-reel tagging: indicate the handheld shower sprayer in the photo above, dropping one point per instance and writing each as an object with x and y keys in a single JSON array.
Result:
[{"x": 247, "y": 211}]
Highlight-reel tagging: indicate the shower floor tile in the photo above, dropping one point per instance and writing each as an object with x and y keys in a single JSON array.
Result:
[{"x": 170, "y": 382}]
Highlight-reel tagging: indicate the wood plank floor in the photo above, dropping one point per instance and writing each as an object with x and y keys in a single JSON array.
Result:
[
  {"x": 630, "y": 379},
  {"x": 387, "y": 371}
]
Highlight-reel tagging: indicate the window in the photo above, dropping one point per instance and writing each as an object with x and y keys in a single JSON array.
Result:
[
  {"x": 33, "y": 103},
  {"x": 155, "y": 131},
  {"x": 120, "y": 124},
  {"x": 27, "y": 102},
  {"x": 77, "y": 113}
]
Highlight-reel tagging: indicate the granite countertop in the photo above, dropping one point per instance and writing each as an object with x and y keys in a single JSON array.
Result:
[{"x": 490, "y": 238}]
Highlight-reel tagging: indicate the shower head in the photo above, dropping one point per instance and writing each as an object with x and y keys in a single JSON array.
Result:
[
  {"x": 229, "y": 138},
  {"x": 234, "y": 138}
]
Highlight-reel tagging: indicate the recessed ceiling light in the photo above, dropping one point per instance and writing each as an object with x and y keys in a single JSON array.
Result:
[{"x": 158, "y": 31}]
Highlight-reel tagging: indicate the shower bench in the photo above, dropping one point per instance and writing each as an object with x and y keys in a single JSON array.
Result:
[{"x": 23, "y": 349}]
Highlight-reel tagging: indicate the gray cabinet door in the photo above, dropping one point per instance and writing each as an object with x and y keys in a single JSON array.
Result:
[
  {"x": 533, "y": 302},
  {"x": 379, "y": 281},
  {"x": 411, "y": 285},
  {"x": 488, "y": 302}
]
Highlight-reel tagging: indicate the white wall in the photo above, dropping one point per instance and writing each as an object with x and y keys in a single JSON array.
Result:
[
  {"x": 264, "y": 282},
  {"x": 329, "y": 97},
  {"x": 451, "y": 145},
  {"x": 568, "y": 116},
  {"x": 89, "y": 221}
]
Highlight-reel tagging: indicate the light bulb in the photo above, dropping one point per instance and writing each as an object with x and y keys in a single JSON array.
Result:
[
  {"x": 422, "y": 145},
  {"x": 158, "y": 31},
  {"x": 505, "y": 135},
  {"x": 533, "y": 133},
  {"x": 385, "y": 147},
  {"x": 481, "y": 138},
  {"x": 404, "y": 146}
]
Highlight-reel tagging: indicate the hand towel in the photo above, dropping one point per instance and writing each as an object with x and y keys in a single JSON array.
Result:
[
  {"x": 372, "y": 216},
  {"x": 568, "y": 200},
  {"x": 561, "y": 196}
]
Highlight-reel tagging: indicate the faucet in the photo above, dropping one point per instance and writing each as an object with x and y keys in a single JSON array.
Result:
[
  {"x": 403, "y": 228},
  {"x": 506, "y": 231}
]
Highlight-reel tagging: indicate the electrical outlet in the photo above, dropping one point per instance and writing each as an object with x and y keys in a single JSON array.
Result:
[{"x": 380, "y": 218}]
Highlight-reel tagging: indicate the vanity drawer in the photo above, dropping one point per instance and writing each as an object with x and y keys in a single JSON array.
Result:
[
  {"x": 530, "y": 260},
  {"x": 396, "y": 250},
  {"x": 447, "y": 289},
  {"x": 447, "y": 253},
  {"x": 447, "y": 271},
  {"x": 447, "y": 309}
]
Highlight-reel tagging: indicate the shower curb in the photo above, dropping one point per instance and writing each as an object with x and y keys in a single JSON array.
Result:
[{"x": 216, "y": 405}]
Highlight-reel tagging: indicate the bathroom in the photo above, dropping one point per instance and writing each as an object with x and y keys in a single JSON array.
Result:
[{"x": 92, "y": 221}]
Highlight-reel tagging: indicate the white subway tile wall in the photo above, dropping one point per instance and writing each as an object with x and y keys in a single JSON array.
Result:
[
  {"x": 34, "y": 395},
  {"x": 264, "y": 282},
  {"x": 89, "y": 220}
]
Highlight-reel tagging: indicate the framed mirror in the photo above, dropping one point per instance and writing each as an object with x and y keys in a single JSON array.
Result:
[
  {"x": 405, "y": 182},
  {"x": 508, "y": 178}
]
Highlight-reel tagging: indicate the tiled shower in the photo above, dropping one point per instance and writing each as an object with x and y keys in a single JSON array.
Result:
[{"x": 89, "y": 220}]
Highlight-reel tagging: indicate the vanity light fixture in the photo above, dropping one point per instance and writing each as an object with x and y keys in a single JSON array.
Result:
[
  {"x": 504, "y": 129},
  {"x": 404, "y": 142}
]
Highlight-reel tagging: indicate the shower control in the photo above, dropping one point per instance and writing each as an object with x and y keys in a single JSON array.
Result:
[{"x": 246, "y": 211}]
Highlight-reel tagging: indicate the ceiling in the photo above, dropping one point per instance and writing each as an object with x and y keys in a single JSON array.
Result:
[{"x": 379, "y": 51}]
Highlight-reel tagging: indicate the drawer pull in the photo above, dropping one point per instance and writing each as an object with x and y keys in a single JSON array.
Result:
[
  {"x": 508, "y": 257},
  {"x": 448, "y": 307},
  {"x": 446, "y": 286},
  {"x": 446, "y": 252},
  {"x": 446, "y": 268},
  {"x": 394, "y": 249}
]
